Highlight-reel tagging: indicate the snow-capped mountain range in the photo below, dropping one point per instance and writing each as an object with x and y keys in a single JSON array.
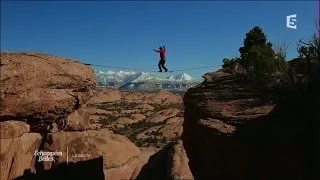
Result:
[{"x": 137, "y": 77}]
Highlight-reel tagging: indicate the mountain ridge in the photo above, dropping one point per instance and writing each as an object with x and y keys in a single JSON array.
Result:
[{"x": 137, "y": 77}]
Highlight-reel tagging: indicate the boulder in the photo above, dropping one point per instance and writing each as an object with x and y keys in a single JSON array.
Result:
[
  {"x": 178, "y": 166},
  {"x": 126, "y": 171},
  {"x": 170, "y": 162},
  {"x": 38, "y": 87},
  {"x": 13, "y": 129},
  {"x": 17, "y": 155},
  {"x": 117, "y": 151},
  {"x": 78, "y": 120}
]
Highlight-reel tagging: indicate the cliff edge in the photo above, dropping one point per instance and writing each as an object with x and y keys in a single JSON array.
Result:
[{"x": 232, "y": 131}]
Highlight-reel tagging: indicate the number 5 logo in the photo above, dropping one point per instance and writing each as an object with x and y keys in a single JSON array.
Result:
[{"x": 292, "y": 21}]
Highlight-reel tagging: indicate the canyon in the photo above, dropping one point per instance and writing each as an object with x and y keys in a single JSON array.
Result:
[{"x": 221, "y": 128}]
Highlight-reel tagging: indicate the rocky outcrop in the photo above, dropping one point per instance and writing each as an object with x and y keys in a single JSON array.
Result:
[
  {"x": 13, "y": 129},
  {"x": 178, "y": 163},
  {"x": 161, "y": 97},
  {"x": 105, "y": 96},
  {"x": 45, "y": 122},
  {"x": 38, "y": 93},
  {"x": 169, "y": 163},
  {"x": 120, "y": 156},
  {"x": 54, "y": 124},
  {"x": 232, "y": 131},
  {"x": 144, "y": 157},
  {"x": 43, "y": 88},
  {"x": 79, "y": 120},
  {"x": 163, "y": 115},
  {"x": 146, "y": 125},
  {"x": 151, "y": 127},
  {"x": 126, "y": 171},
  {"x": 173, "y": 128},
  {"x": 17, "y": 147},
  {"x": 145, "y": 106}
]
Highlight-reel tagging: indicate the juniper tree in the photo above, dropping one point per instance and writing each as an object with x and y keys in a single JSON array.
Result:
[{"x": 257, "y": 56}]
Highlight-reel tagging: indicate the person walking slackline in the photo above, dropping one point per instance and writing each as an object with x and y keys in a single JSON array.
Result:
[{"x": 162, "y": 52}]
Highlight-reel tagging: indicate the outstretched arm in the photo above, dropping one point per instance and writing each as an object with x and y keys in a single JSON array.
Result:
[{"x": 155, "y": 50}]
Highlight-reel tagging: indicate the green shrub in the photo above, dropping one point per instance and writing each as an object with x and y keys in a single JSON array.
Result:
[
  {"x": 309, "y": 54},
  {"x": 259, "y": 59}
]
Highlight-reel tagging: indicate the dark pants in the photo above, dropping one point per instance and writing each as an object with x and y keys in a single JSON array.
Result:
[{"x": 161, "y": 64}]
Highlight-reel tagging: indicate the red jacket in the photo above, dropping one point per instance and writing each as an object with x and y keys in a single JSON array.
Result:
[{"x": 162, "y": 53}]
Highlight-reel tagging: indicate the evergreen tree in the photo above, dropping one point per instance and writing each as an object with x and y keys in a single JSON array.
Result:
[{"x": 257, "y": 56}]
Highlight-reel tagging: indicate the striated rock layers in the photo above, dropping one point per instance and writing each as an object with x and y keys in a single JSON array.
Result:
[{"x": 232, "y": 131}]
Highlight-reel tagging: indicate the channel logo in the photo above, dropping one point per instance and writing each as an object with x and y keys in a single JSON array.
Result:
[{"x": 292, "y": 21}]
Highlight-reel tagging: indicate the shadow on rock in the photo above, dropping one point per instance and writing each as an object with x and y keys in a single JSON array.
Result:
[
  {"x": 156, "y": 168},
  {"x": 91, "y": 169},
  {"x": 283, "y": 144}
]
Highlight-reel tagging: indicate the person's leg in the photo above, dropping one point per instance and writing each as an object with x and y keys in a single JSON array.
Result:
[
  {"x": 163, "y": 62},
  {"x": 159, "y": 66}
]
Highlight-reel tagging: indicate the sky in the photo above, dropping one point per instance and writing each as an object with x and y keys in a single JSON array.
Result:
[{"x": 124, "y": 33}]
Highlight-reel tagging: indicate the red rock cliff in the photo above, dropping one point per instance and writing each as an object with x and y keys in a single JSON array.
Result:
[{"x": 232, "y": 131}]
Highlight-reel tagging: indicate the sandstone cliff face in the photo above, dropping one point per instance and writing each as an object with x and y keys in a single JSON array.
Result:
[
  {"x": 42, "y": 88},
  {"x": 171, "y": 163},
  {"x": 231, "y": 132},
  {"x": 43, "y": 108},
  {"x": 17, "y": 146},
  {"x": 50, "y": 104},
  {"x": 120, "y": 156}
]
